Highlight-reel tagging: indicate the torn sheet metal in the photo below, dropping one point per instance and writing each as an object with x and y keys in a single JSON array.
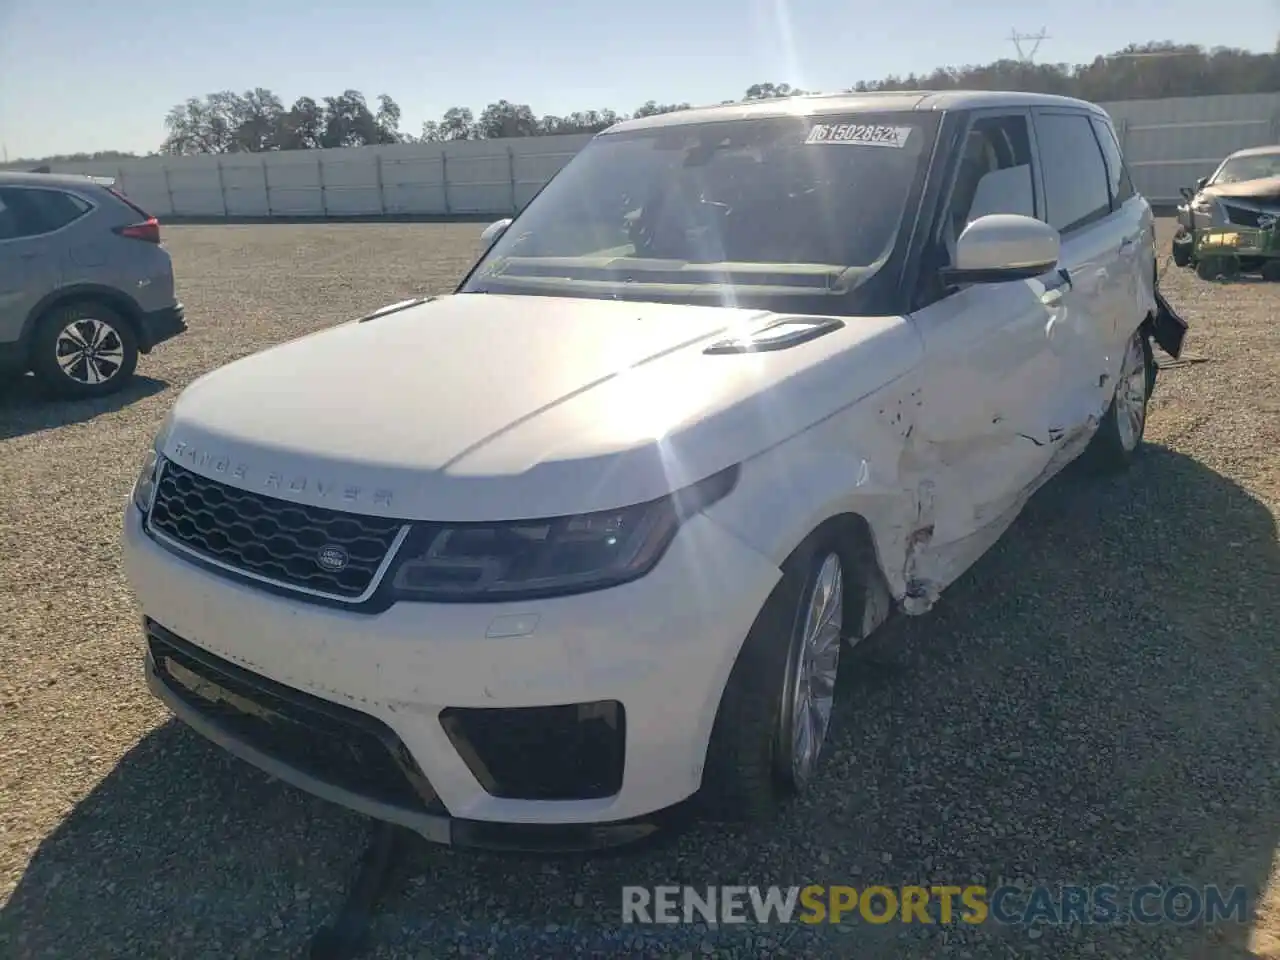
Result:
[
  {"x": 1168, "y": 329},
  {"x": 940, "y": 460}
]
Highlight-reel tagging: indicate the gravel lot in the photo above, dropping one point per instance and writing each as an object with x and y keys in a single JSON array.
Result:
[{"x": 1098, "y": 700}]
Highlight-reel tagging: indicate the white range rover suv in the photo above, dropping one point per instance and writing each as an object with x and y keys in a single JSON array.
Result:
[{"x": 529, "y": 564}]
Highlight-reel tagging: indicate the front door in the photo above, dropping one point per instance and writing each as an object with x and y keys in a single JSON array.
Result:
[{"x": 988, "y": 422}]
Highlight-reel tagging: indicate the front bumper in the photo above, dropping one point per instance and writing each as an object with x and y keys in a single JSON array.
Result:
[
  {"x": 662, "y": 647},
  {"x": 426, "y": 817},
  {"x": 160, "y": 325}
]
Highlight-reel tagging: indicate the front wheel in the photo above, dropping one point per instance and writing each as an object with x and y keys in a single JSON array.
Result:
[
  {"x": 776, "y": 709},
  {"x": 1119, "y": 436}
]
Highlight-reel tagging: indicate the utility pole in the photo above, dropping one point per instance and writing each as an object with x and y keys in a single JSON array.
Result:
[{"x": 1026, "y": 56}]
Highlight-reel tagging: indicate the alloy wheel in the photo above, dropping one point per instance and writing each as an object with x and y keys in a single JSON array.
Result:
[
  {"x": 89, "y": 351},
  {"x": 1131, "y": 395},
  {"x": 811, "y": 672}
]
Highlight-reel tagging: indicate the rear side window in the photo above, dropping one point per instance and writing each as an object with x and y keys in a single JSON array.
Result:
[
  {"x": 1075, "y": 175},
  {"x": 1117, "y": 170},
  {"x": 32, "y": 212}
]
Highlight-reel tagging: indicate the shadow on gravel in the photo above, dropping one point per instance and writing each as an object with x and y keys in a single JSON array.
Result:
[
  {"x": 25, "y": 408},
  {"x": 1095, "y": 702}
]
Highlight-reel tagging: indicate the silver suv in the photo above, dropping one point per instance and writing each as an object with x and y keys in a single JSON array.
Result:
[{"x": 85, "y": 285}]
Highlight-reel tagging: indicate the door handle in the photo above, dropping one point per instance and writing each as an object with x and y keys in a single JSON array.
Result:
[{"x": 1126, "y": 243}]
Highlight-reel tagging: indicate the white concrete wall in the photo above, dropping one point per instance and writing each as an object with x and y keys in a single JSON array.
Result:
[
  {"x": 487, "y": 177},
  {"x": 1169, "y": 143}
]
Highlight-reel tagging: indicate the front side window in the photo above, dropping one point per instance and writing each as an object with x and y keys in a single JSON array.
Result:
[
  {"x": 1075, "y": 176},
  {"x": 759, "y": 211},
  {"x": 1257, "y": 167},
  {"x": 993, "y": 175}
]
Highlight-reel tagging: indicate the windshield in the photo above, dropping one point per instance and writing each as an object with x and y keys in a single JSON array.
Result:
[
  {"x": 732, "y": 212},
  {"x": 1257, "y": 167}
]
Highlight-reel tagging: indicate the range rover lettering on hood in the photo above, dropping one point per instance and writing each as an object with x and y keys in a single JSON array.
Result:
[{"x": 220, "y": 465}]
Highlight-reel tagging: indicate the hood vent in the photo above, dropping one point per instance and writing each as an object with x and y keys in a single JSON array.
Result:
[
  {"x": 394, "y": 308},
  {"x": 778, "y": 335}
]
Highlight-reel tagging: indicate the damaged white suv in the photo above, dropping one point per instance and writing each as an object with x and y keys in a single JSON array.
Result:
[{"x": 532, "y": 562}]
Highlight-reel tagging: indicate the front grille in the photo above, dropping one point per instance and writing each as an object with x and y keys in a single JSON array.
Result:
[
  {"x": 569, "y": 752},
  {"x": 334, "y": 744},
  {"x": 1244, "y": 217},
  {"x": 271, "y": 538}
]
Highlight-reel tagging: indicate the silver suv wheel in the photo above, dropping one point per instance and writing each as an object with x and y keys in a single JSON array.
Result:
[
  {"x": 813, "y": 663},
  {"x": 84, "y": 349},
  {"x": 90, "y": 351}
]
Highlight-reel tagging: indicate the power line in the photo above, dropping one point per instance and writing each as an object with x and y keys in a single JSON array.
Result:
[{"x": 1019, "y": 39}]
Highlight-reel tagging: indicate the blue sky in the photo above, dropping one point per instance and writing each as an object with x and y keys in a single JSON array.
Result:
[{"x": 90, "y": 75}]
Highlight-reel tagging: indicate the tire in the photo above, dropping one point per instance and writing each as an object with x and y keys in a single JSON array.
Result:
[
  {"x": 1119, "y": 437},
  {"x": 752, "y": 761},
  {"x": 1218, "y": 267},
  {"x": 64, "y": 334},
  {"x": 1182, "y": 250}
]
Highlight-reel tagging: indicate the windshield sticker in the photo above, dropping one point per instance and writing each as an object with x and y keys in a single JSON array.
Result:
[{"x": 864, "y": 134}]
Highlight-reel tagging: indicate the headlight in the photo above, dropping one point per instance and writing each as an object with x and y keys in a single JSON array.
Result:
[
  {"x": 144, "y": 488},
  {"x": 522, "y": 559},
  {"x": 1203, "y": 204}
]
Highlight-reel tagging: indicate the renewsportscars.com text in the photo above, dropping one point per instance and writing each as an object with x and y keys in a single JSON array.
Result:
[{"x": 1099, "y": 905}]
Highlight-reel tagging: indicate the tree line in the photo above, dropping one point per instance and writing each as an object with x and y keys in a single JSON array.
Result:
[{"x": 258, "y": 121}]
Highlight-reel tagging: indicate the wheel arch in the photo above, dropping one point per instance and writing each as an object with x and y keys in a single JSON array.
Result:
[
  {"x": 850, "y": 535},
  {"x": 116, "y": 299},
  {"x": 867, "y": 598}
]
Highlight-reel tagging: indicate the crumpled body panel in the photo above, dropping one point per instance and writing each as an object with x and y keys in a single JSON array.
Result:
[{"x": 1013, "y": 382}]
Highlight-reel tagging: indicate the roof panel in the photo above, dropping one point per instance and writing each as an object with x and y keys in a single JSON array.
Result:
[{"x": 819, "y": 105}]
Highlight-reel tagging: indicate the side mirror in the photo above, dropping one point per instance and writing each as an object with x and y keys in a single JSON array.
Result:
[
  {"x": 493, "y": 231},
  {"x": 1001, "y": 247},
  {"x": 1202, "y": 183},
  {"x": 1187, "y": 193}
]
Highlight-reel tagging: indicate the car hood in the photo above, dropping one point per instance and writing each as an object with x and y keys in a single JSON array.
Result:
[
  {"x": 486, "y": 407},
  {"x": 1263, "y": 190}
]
